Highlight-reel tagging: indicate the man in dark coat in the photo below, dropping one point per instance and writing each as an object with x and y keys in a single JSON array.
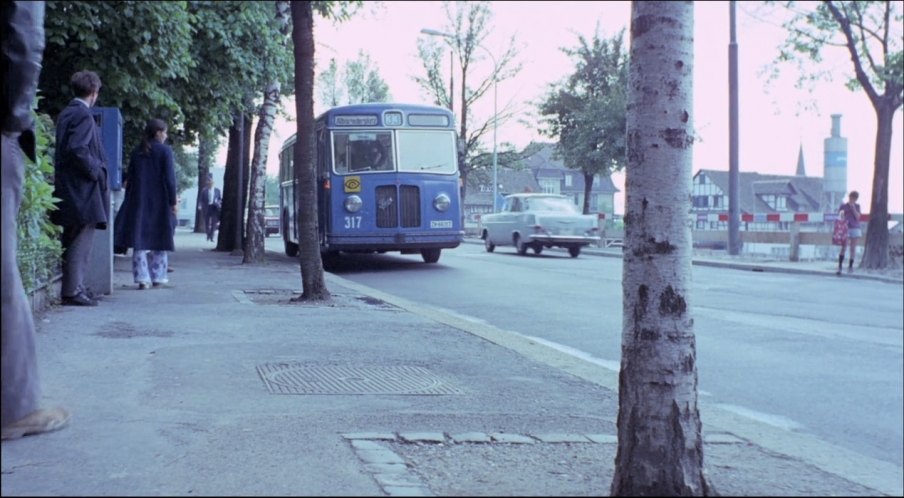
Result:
[
  {"x": 22, "y": 50},
  {"x": 80, "y": 181},
  {"x": 210, "y": 200}
]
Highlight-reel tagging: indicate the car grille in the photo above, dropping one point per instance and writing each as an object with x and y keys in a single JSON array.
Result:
[{"x": 398, "y": 207}]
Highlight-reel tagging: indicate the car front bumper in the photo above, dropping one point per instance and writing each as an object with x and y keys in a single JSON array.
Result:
[{"x": 563, "y": 240}]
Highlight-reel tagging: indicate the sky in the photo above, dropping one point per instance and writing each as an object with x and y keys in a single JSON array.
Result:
[{"x": 774, "y": 123}]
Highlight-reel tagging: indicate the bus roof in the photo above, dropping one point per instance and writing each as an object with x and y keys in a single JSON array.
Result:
[
  {"x": 379, "y": 107},
  {"x": 373, "y": 114}
]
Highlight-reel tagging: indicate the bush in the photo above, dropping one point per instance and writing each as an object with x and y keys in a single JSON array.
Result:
[{"x": 39, "y": 250}]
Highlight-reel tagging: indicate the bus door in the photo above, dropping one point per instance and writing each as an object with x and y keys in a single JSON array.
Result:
[{"x": 324, "y": 186}]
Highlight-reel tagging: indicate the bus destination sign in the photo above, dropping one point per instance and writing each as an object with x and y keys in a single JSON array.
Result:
[{"x": 356, "y": 120}]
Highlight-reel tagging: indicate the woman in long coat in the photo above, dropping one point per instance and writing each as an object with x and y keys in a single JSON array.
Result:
[{"x": 147, "y": 215}]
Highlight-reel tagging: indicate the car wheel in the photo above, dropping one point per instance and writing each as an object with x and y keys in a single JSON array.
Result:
[
  {"x": 574, "y": 251},
  {"x": 431, "y": 255},
  {"x": 520, "y": 245},
  {"x": 489, "y": 246},
  {"x": 538, "y": 249}
]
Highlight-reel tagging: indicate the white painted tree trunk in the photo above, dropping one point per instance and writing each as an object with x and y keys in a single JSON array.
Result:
[
  {"x": 254, "y": 232},
  {"x": 660, "y": 447}
]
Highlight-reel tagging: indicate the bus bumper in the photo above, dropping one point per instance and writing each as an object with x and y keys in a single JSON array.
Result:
[{"x": 394, "y": 242}]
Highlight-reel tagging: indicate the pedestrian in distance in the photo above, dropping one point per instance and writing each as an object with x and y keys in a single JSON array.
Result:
[
  {"x": 148, "y": 210},
  {"x": 210, "y": 202},
  {"x": 850, "y": 212},
  {"x": 80, "y": 182},
  {"x": 23, "y": 48}
]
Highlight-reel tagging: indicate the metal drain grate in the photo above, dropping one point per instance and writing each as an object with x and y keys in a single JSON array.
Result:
[{"x": 295, "y": 378}]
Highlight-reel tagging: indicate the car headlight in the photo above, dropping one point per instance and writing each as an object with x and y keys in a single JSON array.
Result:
[
  {"x": 442, "y": 202},
  {"x": 353, "y": 203}
]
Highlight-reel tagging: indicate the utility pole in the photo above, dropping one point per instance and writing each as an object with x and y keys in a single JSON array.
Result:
[{"x": 734, "y": 212}]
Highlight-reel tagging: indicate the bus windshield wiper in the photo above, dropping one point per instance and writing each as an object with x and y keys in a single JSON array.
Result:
[{"x": 440, "y": 165}]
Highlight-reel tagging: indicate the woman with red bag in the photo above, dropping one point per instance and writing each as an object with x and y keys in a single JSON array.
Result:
[{"x": 850, "y": 212}]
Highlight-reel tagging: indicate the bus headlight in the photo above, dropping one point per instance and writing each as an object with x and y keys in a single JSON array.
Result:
[
  {"x": 353, "y": 203},
  {"x": 442, "y": 202}
]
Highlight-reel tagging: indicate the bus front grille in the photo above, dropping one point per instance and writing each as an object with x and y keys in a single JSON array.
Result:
[
  {"x": 391, "y": 203},
  {"x": 410, "y": 197}
]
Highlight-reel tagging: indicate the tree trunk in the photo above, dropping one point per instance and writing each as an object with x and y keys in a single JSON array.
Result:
[
  {"x": 231, "y": 187},
  {"x": 254, "y": 234},
  {"x": 660, "y": 445},
  {"x": 312, "y": 280},
  {"x": 226, "y": 233},
  {"x": 588, "y": 190},
  {"x": 205, "y": 150},
  {"x": 875, "y": 249}
]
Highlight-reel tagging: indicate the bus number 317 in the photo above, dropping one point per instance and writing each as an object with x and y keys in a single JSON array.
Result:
[{"x": 352, "y": 222}]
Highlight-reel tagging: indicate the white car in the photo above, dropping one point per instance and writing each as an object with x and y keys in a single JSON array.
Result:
[{"x": 535, "y": 221}]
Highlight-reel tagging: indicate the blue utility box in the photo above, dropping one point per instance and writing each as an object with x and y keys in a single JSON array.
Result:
[{"x": 109, "y": 120}]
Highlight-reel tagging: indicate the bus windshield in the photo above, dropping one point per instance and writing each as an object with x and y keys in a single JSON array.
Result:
[
  {"x": 355, "y": 151},
  {"x": 427, "y": 151}
]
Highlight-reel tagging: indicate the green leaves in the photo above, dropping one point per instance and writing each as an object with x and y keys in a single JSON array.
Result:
[
  {"x": 39, "y": 249},
  {"x": 586, "y": 111}
]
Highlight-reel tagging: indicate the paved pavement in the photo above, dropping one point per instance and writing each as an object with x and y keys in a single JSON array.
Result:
[{"x": 218, "y": 384}]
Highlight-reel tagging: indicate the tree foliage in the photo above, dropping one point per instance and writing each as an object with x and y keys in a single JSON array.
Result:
[
  {"x": 39, "y": 250},
  {"x": 362, "y": 83},
  {"x": 871, "y": 34},
  {"x": 137, "y": 48},
  {"x": 587, "y": 111},
  {"x": 468, "y": 24}
]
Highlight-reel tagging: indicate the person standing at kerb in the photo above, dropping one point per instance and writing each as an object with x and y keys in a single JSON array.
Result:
[
  {"x": 22, "y": 51},
  {"x": 210, "y": 201},
  {"x": 148, "y": 212},
  {"x": 80, "y": 182},
  {"x": 850, "y": 212}
]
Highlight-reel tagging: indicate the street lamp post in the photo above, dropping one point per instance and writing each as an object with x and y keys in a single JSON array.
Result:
[{"x": 433, "y": 32}]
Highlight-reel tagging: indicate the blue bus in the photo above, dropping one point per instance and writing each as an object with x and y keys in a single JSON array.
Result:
[{"x": 387, "y": 180}]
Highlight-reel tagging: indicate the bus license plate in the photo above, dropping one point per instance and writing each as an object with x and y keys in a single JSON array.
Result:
[{"x": 440, "y": 223}]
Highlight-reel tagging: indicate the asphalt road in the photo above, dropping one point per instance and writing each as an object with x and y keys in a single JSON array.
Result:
[{"x": 809, "y": 354}]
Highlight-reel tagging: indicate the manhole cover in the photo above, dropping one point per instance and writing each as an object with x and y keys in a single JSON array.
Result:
[{"x": 294, "y": 378}]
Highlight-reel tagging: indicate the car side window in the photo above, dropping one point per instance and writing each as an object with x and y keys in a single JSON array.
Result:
[{"x": 516, "y": 205}]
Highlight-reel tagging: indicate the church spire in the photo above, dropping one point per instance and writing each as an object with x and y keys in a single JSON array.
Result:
[{"x": 800, "y": 162}]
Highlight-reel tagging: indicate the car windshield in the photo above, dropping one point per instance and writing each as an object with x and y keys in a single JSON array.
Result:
[
  {"x": 271, "y": 211},
  {"x": 554, "y": 204}
]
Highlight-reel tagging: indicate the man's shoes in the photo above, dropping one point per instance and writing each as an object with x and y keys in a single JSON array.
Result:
[
  {"x": 79, "y": 299},
  {"x": 91, "y": 295},
  {"x": 169, "y": 269},
  {"x": 142, "y": 285},
  {"x": 37, "y": 422}
]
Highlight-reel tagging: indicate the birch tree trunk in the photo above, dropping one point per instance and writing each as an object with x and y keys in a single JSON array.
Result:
[
  {"x": 660, "y": 446},
  {"x": 312, "y": 282},
  {"x": 254, "y": 233}
]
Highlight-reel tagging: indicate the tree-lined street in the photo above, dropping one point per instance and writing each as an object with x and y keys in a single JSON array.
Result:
[{"x": 806, "y": 353}]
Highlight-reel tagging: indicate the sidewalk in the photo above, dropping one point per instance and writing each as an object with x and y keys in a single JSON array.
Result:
[{"x": 216, "y": 385}]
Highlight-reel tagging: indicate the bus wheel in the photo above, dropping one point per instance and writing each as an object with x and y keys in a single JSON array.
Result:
[
  {"x": 291, "y": 249},
  {"x": 430, "y": 255},
  {"x": 329, "y": 259}
]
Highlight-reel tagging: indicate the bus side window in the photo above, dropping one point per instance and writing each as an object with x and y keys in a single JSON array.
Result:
[{"x": 340, "y": 155}]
